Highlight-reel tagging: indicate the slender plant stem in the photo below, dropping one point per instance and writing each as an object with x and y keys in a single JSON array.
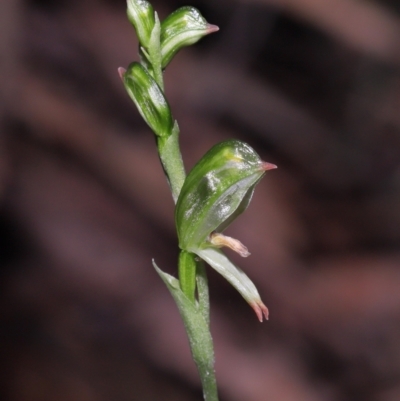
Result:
[
  {"x": 191, "y": 272},
  {"x": 202, "y": 290},
  {"x": 187, "y": 274},
  {"x": 171, "y": 159},
  {"x": 168, "y": 148},
  {"x": 195, "y": 318}
]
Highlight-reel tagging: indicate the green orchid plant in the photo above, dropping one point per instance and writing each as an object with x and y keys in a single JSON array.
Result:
[{"x": 214, "y": 193}]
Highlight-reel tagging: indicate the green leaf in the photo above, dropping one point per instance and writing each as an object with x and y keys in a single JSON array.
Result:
[
  {"x": 141, "y": 15},
  {"x": 197, "y": 329},
  {"x": 183, "y": 27},
  {"x": 149, "y": 99}
]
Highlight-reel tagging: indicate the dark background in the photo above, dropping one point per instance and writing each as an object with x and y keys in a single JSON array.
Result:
[{"x": 314, "y": 87}]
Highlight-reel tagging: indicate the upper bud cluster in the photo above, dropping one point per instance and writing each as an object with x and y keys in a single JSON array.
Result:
[
  {"x": 158, "y": 44},
  {"x": 184, "y": 27}
]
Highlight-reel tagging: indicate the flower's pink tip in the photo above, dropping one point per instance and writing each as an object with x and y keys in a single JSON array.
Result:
[
  {"x": 260, "y": 310},
  {"x": 265, "y": 166},
  {"x": 212, "y": 28},
  {"x": 121, "y": 72}
]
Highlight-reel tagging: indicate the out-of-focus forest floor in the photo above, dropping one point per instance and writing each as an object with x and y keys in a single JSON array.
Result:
[{"x": 314, "y": 87}]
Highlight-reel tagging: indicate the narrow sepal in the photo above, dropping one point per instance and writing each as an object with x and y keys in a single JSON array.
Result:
[{"x": 217, "y": 260}]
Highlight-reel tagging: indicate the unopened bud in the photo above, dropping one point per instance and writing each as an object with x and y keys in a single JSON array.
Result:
[
  {"x": 141, "y": 15},
  {"x": 183, "y": 27},
  {"x": 149, "y": 99}
]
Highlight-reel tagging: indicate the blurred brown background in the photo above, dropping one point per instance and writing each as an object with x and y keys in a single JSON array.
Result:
[{"x": 314, "y": 86}]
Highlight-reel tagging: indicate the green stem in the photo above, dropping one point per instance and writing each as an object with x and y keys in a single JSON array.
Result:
[
  {"x": 187, "y": 274},
  {"x": 191, "y": 271},
  {"x": 208, "y": 379},
  {"x": 198, "y": 331},
  {"x": 171, "y": 159},
  {"x": 202, "y": 289},
  {"x": 168, "y": 147}
]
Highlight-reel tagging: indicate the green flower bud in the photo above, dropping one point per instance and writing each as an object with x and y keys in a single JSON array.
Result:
[
  {"x": 183, "y": 27},
  {"x": 215, "y": 192},
  {"x": 141, "y": 15},
  {"x": 149, "y": 99}
]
